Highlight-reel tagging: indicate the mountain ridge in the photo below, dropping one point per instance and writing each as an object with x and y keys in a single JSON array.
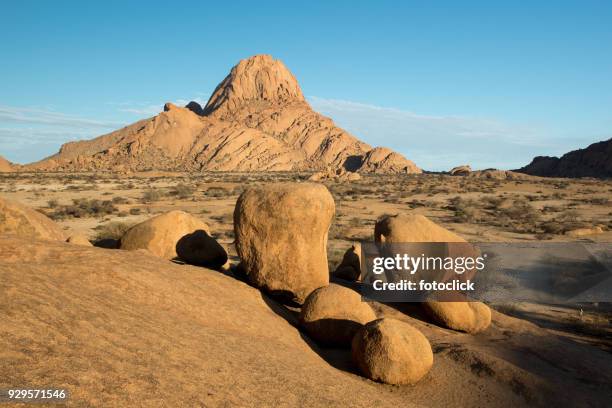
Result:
[
  {"x": 257, "y": 119},
  {"x": 593, "y": 161}
]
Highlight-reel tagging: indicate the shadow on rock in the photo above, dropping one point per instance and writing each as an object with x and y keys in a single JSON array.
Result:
[
  {"x": 199, "y": 248},
  {"x": 336, "y": 357}
]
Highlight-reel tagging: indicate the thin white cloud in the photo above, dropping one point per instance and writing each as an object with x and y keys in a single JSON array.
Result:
[
  {"x": 143, "y": 110},
  {"x": 30, "y": 133},
  {"x": 437, "y": 142},
  {"x": 47, "y": 117},
  {"x": 150, "y": 109}
]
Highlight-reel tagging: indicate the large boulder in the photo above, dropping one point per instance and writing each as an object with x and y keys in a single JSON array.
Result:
[
  {"x": 393, "y": 230},
  {"x": 350, "y": 266},
  {"x": 392, "y": 351},
  {"x": 161, "y": 234},
  {"x": 411, "y": 228},
  {"x": 281, "y": 237},
  {"x": 469, "y": 317},
  {"x": 199, "y": 248},
  {"x": 17, "y": 219},
  {"x": 332, "y": 315}
]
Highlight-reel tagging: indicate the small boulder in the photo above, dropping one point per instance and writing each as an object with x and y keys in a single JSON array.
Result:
[
  {"x": 168, "y": 106},
  {"x": 79, "y": 239},
  {"x": 199, "y": 248},
  {"x": 332, "y": 315},
  {"x": 337, "y": 175},
  {"x": 161, "y": 233},
  {"x": 195, "y": 108},
  {"x": 461, "y": 170},
  {"x": 318, "y": 176},
  {"x": 350, "y": 266},
  {"x": 392, "y": 351},
  {"x": 17, "y": 219},
  {"x": 469, "y": 317},
  {"x": 495, "y": 174},
  {"x": 351, "y": 176},
  {"x": 581, "y": 232},
  {"x": 281, "y": 237}
]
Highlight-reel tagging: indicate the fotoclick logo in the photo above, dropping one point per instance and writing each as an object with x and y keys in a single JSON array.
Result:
[{"x": 494, "y": 272}]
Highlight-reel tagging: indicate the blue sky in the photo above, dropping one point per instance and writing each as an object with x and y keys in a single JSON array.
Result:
[{"x": 445, "y": 83}]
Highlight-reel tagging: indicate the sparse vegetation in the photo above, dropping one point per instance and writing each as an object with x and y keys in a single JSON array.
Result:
[
  {"x": 182, "y": 191},
  {"x": 151, "y": 196},
  {"x": 112, "y": 230},
  {"x": 82, "y": 207}
]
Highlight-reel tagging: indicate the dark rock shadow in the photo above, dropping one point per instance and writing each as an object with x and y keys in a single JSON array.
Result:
[
  {"x": 353, "y": 163},
  {"x": 200, "y": 249},
  {"x": 107, "y": 243},
  {"x": 338, "y": 358}
]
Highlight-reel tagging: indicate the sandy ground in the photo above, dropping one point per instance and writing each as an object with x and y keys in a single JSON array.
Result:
[{"x": 166, "y": 323}]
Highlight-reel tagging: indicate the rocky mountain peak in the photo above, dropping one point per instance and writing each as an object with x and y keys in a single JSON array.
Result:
[
  {"x": 256, "y": 120},
  {"x": 258, "y": 79}
]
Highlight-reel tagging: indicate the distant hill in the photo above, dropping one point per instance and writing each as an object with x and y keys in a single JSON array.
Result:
[
  {"x": 594, "y": 161},
  {"x": 5, "y": 165},
  {"x": 257, "y": 119}
]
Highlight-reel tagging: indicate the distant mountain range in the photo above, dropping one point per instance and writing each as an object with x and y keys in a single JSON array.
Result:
[
  {"x": 256, "y": 120},
  {"x": 594, "y": 161}
]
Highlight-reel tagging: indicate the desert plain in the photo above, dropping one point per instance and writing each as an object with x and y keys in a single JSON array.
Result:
[{"x": 123, "y": 328}]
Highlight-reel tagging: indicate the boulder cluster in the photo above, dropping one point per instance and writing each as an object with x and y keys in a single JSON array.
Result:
[
  {"x": 281, "y": 233},
  {"x": 337, "y": 175},
  {"x": 281, "y": 236},
  {"x": 176, "y": 235}
]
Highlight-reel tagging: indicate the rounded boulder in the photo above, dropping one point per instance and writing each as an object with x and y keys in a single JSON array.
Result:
[
  {"x": 19, "y": 220},
  {"x": 160, "y": 234},
  {"x": 331, "y": 315},
  {"x": 392, "y": 351},
  {"x": 281, "y": 237},
  {"x": 412, "y": 228},
  {"x": 469, "y": 317}
]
